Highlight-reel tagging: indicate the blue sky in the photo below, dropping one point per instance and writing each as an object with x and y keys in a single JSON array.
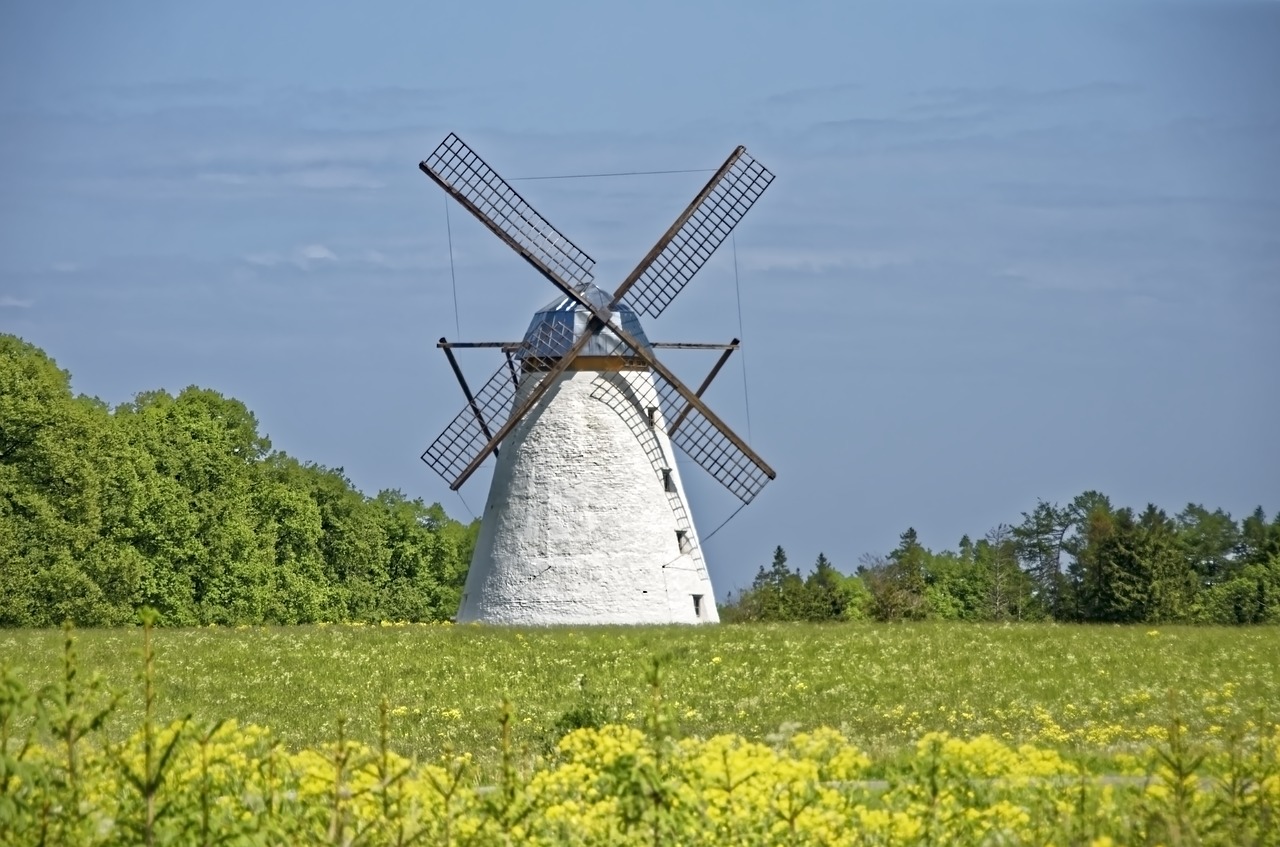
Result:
[{"x": 1013, "y": 251}]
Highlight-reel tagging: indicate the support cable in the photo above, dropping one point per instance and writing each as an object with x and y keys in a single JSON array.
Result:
[
  {"x": 707, "y": 538},
  {"x": 725, "y": 521},
  {"x": 619, "y": 173},
  {"x": 457, "y": 325},
  {"x": 742, "y": 350},
  {"x": 465, "y": 506},
  {"x": 703, "y": 540}
]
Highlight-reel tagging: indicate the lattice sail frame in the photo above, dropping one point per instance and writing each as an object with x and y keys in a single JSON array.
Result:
[
  {"x": 472, "y": 428},
  {"x": 468, "y": 432},
  {"x": 460, "y": 171},
  {"x": 702, "y": 442},
  {"x": 696, "y": 436},
  {"x": 731, "y": 196}
]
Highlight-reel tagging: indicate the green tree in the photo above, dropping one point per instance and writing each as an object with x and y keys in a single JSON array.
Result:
[
  {"x": 423, "y": 570},
  {"x": 1249, "y": 591},
  {"x": 954, "y": 588},
  {"x": 202, "y": 529},
  {"x": 1209, "y": 541},
  {"x": 1133, "y": 569},
  {"x": 1039, "y": 542},
  {"x": 1259, "y": 540},
  {"x": 898, "y": 582},
  {"x": 823, "y": 596},
  {"x": 1011, "y": 591},
  {"x": 775, "y": 592},
  {"x": 1106, "y": 565},
  {"x": 61, "y": 470},
  {"x": 1091, "y": 518},
  {"x": 1171, "y": 583}
]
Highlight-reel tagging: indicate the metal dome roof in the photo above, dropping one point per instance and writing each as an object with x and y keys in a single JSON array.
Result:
[{"x": 558, "y": 324}]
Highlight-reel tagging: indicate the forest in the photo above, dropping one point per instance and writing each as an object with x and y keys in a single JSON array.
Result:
[
  {"x": 180, "y": 504},
  {"x": 1086, "y": 562}
]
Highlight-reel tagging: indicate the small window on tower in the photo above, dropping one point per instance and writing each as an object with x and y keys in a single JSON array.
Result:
[
  {"x": 668, "y": 484},
  {"x": 682, "y": 539},
  {"x": 697, "y": 606}
]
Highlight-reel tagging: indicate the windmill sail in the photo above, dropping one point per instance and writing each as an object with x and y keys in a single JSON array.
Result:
[
  {"x": 470, "y": 437},
  {"x": 713, "y": 451},
  {"x": 469, "y": 431},
  {"x": 697, "y": 430},
  {"x": 689, "y": 243},
  {"x": 710, "y": 444},
  {"x": 461, "y": 172}
]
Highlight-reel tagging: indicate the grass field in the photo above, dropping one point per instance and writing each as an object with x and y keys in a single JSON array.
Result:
[{"x": 1096, "y": 694}]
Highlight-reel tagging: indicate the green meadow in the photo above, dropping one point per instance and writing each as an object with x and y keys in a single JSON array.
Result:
[{"x": 1099, "y": 693}]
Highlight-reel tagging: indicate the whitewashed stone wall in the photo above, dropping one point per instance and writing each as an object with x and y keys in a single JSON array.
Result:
[{"x": 579, "y": 526}]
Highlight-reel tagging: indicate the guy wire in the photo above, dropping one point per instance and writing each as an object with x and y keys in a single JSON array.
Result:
[
  {"x": 709, "y": 535},
  {"x": 706, "y": 538},
  {"x": 465, "y": 506},
  {"x": 742, "y": 350},
  {"x": 619, "y": 173},
  {"x": 457, "y": 325}
]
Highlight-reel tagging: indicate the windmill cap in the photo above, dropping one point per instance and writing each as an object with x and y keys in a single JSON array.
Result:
[{"x": 558, "y": 324}]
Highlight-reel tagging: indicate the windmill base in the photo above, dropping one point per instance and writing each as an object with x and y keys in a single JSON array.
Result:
[{"x": 586, "y": 520}]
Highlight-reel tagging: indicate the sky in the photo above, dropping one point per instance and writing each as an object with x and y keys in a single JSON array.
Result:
[{"x": 1013, "y": 251}]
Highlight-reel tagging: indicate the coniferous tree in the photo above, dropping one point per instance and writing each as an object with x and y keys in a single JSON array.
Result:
[
  {"x": 1171, "y": 583},
  {"x": 823, "y": 598},
  {"x": 1040, "y": 540},
  {"x": 1209, "y": 541},
  {"x": 776, "y": 591},
  {"x": 1007, "y": 592},
  {"x": 898, "y": 583}
]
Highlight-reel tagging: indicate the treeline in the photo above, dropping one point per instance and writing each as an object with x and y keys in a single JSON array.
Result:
[
  {"x": 180, "y": 504},
  {"x": 1087, "y": 561}
]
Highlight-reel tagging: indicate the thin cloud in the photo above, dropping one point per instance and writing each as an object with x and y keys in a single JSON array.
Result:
[
  {"x": 305, "y": 257},
  {"x": 813, "y": 94},
  {"x": 316, "y": 253},
  {"x": 329, "y": 179},
  {"x": 817, "y": 261},
  {"x": 998, "y": 100},
  {"x": 1068, "y": 278},
  {"x": 224, "y": 178},
  {"x": 318, "y": 179},
  {"x": 7, "y": 302}
]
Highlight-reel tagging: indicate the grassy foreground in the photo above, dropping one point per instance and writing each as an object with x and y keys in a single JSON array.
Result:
[
  {"x": 946, "y": 735},
  {"x": 1093, "y": 693}
]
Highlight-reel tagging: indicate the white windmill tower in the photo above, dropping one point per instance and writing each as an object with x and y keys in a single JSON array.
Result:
[{"x": 586, "y": 520}]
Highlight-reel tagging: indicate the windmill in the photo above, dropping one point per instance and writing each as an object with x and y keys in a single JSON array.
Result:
[{"x": 586, "y": 519}]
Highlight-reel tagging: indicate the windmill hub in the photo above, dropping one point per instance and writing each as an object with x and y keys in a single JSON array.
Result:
[
  {"x": 556, "y": 325},
  {"x": 587, "y": 519}
]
